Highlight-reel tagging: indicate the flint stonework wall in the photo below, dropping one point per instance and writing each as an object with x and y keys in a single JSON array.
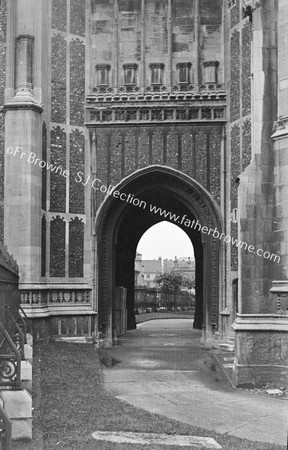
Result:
[
  {"x": 196, "y": 152},
  {"x": 239, "y": 130},
  {"x": 66, "y": 139}
]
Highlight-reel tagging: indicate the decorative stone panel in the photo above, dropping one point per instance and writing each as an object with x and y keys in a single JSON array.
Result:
[
  {"x": 59, "y": 15},
  {"x": 143, "y": 148},
  {"x": 201, "y": 158},
  {"x": 116, "y": 156},
  {"x": 188, "y": 153},
  {"x": 197, "y": 152},
  {"x": 172, "y": 149},
  {"x": 44, "y": 170},
  {"x": 58, "y": 181},
  {"x": 246, "y": 143},
  {"x": 77, "y": 17},
  {"x": 234, "y": 249},
  {"x": 102, "y": 143},
  {"x": 57, "y": 247},
  {"x": 58, "y": 74},
  {"x": 235, "y": 163},
  {"x": 77, "y": 82},
  {"x": 76, "y": 248},
  {"x": 130, "y": 152},
  {"x": 235, "y": 76},
  {"x": 43, "y": 246},
  {"x": 246, "y": 68},
  {"x": 215, "y": 164},
  {"x": 77, "y": 164},
  {"x": 234, "y": 12},
  {"x": 157, "y": 147}
]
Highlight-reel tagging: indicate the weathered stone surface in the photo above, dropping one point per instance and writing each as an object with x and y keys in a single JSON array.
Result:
[
  {"x": 261, "y": 350},
  {"x": 155, "y": 439}
]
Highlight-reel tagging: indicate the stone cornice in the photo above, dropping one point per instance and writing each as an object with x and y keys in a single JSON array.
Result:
[
  {"x": 102, "y": 67},
  {"x": 156, "y": 66},
  {"x": 181, "y": 65},
  {"x": 23, "y": 100},
  {"x": 210, "y": 63},
  {"x": 130, "y": 66},
  {"x": 23, "y": 106},
  {"x": 260, "y": 322}
]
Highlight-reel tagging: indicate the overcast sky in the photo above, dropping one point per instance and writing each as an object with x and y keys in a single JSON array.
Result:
[{"x": 166, "y": 240}]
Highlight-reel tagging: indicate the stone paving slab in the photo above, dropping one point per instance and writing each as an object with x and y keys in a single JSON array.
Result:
[
  {"x": 156, "y": 439},
  {"x": 178, "y": 385}
]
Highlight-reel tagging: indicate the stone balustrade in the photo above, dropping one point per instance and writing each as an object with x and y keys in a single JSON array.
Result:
[{"x": 49, "y": 297}]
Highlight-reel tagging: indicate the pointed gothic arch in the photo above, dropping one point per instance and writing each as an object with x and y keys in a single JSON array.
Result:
[{"x": 119, "y": 225}]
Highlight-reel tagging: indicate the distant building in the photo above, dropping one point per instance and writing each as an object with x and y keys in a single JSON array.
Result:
[
  {"x": 168, "y": 264},
  {"x": 151, "y": 267},
  {"x": 184, "y": 266},
  {"x": 139, "y": 275}
]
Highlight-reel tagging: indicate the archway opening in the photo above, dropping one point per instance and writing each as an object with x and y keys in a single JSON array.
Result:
[
  {"x": 164, "y": 274},
  {"x": 154, "y": 194}
]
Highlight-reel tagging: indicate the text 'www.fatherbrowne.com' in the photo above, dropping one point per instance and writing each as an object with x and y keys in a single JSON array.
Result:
[{"x": 97, "y": 185}]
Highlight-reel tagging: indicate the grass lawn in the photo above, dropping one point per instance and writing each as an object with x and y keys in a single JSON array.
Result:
[
  {"x": 144, "y": 317},
  {"x": 70, "y": 403}
]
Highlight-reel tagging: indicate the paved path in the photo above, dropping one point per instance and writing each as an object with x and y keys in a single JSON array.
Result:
[{"x": 161, "y": 367}]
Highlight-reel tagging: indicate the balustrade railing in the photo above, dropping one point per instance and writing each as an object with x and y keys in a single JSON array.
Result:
[
  {"x": 5, "y": 431},
  {"x": 56, "y": 297},
  {"x": 10, "y": 360}
]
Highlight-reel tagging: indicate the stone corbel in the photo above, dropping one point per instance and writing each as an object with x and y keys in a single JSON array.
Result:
[{"x": 249, "y": 6}]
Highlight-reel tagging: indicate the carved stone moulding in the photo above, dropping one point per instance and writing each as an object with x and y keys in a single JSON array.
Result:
[
  {"x": 210, "y": 63},
  {"x": 156, "y": 66},
  {"x": 182, "y": 65},
  {"x": 130, "y": 66},
  {"x": 103, "y": 67},
  {"x": 158, "y": 114},
  {"x": 125, "y": 93}
]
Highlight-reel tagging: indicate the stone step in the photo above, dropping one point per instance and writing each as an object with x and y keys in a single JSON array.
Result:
[
  {"x": 227, "y": 347},
  {"x": 228, "y": 366},
  {"x": 228, "y": 359}
]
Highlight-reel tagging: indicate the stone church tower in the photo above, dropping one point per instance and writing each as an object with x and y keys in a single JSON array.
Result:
[{"x": 111, "y": 107}]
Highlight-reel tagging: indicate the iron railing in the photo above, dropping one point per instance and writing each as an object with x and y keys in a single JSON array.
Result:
[
  {"x": 10, "y": 361},
  {"x": 19, "y": 336},
  {"x": 5, "y": 431}
]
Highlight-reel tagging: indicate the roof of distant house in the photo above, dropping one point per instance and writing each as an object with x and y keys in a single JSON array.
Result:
[{"x": 152, "y": 265}]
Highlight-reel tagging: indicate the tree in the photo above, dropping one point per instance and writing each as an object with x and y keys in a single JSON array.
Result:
[
  {"x": 169, "y": 283},
  {"x": 189, "y": 284}
]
